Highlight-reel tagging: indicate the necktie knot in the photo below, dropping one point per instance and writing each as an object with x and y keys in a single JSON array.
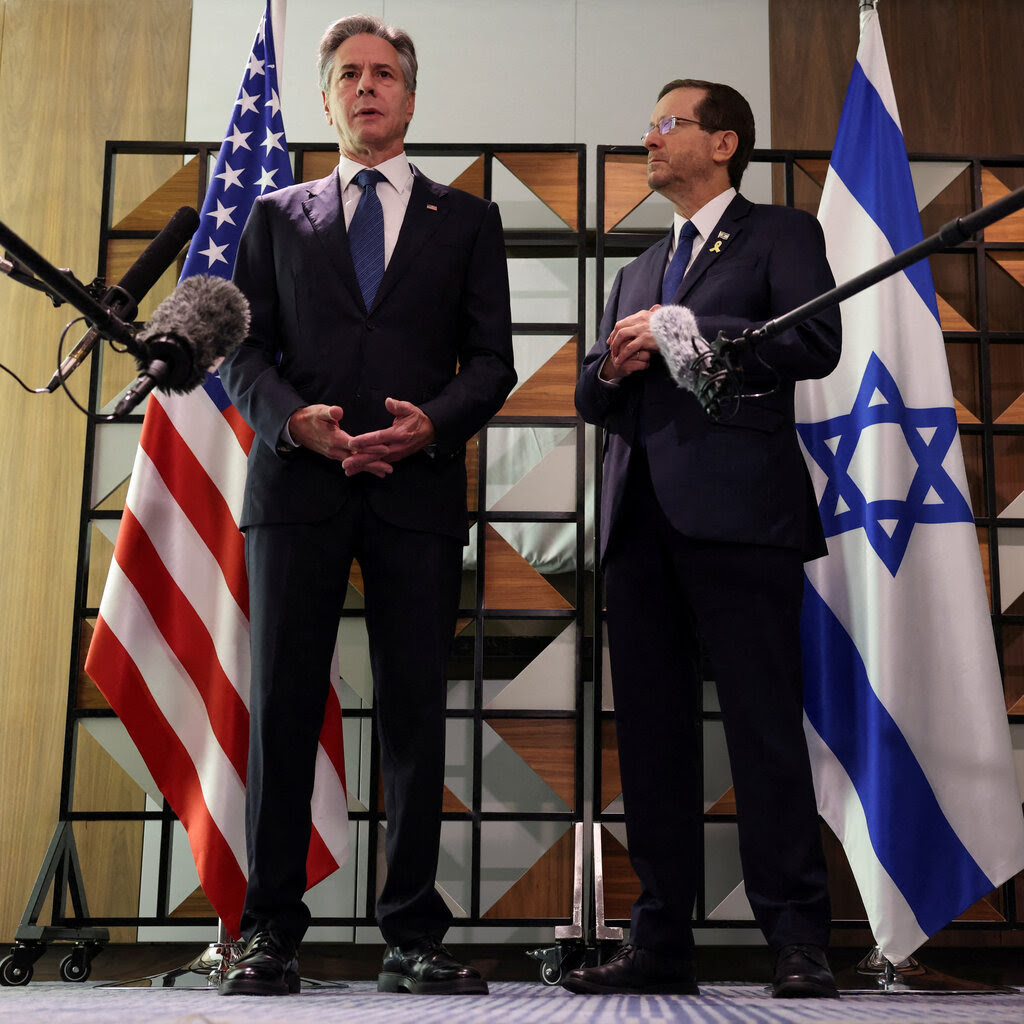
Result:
[
  {"x": 674, "y": 275},
  {"x": 368, "y": 176}
]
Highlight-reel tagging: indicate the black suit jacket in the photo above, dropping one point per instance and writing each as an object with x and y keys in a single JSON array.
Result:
[
  {"x": 742, "y": 479},
  {"x": 438, "y": 335}
]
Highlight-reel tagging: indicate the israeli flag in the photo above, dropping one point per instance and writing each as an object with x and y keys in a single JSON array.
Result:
[{"x": 905, "y": 717}]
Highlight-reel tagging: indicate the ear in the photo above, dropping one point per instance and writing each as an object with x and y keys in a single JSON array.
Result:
[
  {"x": 725, "y": 145},
  {"x": 327, "y": 108}
]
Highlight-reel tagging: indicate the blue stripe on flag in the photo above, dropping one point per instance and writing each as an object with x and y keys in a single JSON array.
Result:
[
  {"x": 882, "y": 185},
  {"x": 910, "y": 834},
  {"x": 215, "y": 389}
]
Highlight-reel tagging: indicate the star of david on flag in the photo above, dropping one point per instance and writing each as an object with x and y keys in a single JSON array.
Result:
[
  {"x": 171, "y": 647},
  {"x": 904, "y": 710},
  {"x": 930, "y": 495}
]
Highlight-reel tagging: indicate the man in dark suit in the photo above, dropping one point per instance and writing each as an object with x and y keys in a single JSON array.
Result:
[
  {"x": 705, "y": 525},
  {"x": 380, "y": 343}
]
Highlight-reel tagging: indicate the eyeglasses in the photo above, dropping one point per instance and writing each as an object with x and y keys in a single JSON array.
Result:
[{"x": 666, "y": 124}]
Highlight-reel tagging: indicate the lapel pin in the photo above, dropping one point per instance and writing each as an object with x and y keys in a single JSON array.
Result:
[
  {"x": 723, "y": 234},
  {"x": 431, "y": 206},
  {"x": 717, "y": 247}
]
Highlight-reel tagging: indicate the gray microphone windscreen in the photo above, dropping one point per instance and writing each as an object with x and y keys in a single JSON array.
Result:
[
  {"x": 206, "y": 315},
  {"x": 680, "y": 343}
]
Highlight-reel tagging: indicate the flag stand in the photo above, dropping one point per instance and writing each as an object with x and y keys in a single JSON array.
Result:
[{"x": 874, "y": 973}]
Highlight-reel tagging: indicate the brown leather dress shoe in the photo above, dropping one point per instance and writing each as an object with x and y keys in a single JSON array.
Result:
[
  {"x": 634, "y": 970},
  {"x": 802, "y": 972},
  {"x": 425, "y": 967},
  {"x": 268, "y": 966}
]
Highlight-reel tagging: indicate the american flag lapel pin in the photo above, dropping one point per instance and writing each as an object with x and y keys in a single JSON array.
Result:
[{"x": 431, "y": 206}]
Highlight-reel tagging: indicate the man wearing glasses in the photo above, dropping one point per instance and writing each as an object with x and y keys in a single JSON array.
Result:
[{"x": 707, "y": 518}]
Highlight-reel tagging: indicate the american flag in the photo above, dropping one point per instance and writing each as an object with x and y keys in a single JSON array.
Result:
[{"x": 171, "y": 647}]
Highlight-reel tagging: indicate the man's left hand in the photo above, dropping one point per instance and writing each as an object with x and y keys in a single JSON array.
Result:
[{"x": 410, "y": 432}]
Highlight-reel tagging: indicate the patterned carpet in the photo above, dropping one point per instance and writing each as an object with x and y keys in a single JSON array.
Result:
[{"x": 509, "y": 1003}]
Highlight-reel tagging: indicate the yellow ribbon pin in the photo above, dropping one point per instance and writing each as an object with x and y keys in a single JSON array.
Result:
[{"x": 717, "y": 247}]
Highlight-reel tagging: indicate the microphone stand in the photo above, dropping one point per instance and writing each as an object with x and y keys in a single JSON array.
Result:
[{"x": 62, "y": 286}]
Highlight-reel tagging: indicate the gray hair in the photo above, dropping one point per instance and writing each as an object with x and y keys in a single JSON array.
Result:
[{"x": 366, "y": 24}]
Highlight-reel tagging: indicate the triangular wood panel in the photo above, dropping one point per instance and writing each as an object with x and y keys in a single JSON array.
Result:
[
  {"x": 472, "y": 178},
  {"x": 511, "y": 582},
  {"x": 949, "y": 318},
  {"x": 621, "y": 886},
  {"x": 725, "y": 804},
  {"x": 550, "y": 390},
  {"x": 545, "y": 890},
  {"x": 547, "y": 745},
  {"x": 611, "y": 782},
  {"x": 814, "y": 169},
  {"x": 983, "y": 910},
  {"x": 450, "y": 803},
  {"x": 1014, "y": 414},
  {"x": 963, "y": 414},
  {"x": 1017, "y": 709},
  {"x": 1012, "y": 263},
  {"x": 153, "y": 213},
  {"x": 196, "y": 904},
  {"x": 551, "y": 177},
  {"x": 1009, "y": 229},
  {"x": 625, "y": 186}
]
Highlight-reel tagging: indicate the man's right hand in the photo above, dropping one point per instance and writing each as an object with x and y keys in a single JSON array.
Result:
[{"x": 317, "y": 427}]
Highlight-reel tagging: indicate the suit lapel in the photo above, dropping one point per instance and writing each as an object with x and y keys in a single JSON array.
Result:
[
  {"x": 715, "y": 248},
  {"x": 427, "y": 210},
  {"x": 324, "y": 212}
]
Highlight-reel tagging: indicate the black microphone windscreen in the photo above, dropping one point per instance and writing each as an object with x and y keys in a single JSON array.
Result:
[
  {"x": 159, "y": 254},
  {"x": 206, "y": 315}
]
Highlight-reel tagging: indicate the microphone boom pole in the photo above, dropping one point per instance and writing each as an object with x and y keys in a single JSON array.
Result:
[{"x": 949, "y": 235}]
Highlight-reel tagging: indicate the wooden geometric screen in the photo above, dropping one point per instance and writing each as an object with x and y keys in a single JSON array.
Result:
[
  {"x": 514, "y": 779},
  {"x": 980, "y": 292}
]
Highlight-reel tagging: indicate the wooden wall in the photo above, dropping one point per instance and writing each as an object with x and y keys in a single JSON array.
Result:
[
  {"x": 955, "y": 66},
  {"x": 73, "y": 73}
]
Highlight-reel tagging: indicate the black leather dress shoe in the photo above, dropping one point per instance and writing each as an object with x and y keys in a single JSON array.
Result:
[
  {"x": 425, "y": 967},
  {"x": 802, "y": 972},
  {"x": 268, "y": 966},
  {"x": 634, "y": 970}
]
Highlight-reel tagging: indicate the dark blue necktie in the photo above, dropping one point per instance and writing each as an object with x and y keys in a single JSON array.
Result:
[
  {"x": 366, "y": 235},
  {"x": 676, "y": 269}
]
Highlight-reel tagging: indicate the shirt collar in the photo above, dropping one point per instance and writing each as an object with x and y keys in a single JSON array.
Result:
[
  {"x": 397, "y": 170},
  {"x": 705, "y": 219}
]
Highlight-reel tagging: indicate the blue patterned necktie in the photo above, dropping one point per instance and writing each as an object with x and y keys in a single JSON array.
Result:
[
  {"x": 676, "y": 269},
  {"x": 366, "y": 235}
]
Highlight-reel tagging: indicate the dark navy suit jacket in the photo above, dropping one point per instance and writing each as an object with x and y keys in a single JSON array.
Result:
[
  {"x": 742, "y": 479},
  {"x": 442, "y": 307}
]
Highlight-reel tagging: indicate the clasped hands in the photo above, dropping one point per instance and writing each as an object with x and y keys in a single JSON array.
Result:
[
  {"x": 318, "y": 427},
  {"x": 630, "y": 346}
]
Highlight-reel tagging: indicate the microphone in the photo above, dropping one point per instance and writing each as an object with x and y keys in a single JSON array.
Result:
[
  {"x": 122, "y": 300},
  {"x": 679, "y": 340},
  {"x": 706, "y": 369},
  {"x": 203, "y": 320}
]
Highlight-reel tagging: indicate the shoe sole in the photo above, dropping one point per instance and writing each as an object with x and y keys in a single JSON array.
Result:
[
  {"x": 589, "y": 988},
  {"x": 389, "y": 982},
  {"x": 291, "y": 985},
  {"x": 804, "y": 990}
]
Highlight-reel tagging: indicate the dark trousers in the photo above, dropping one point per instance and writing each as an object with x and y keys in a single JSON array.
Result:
[
  {"x": 298, "y": 577},
  {"x": 665, "y": 593}
]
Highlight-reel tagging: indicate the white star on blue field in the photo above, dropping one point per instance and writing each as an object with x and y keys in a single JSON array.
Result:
[{"x": 932, "y": 497}]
